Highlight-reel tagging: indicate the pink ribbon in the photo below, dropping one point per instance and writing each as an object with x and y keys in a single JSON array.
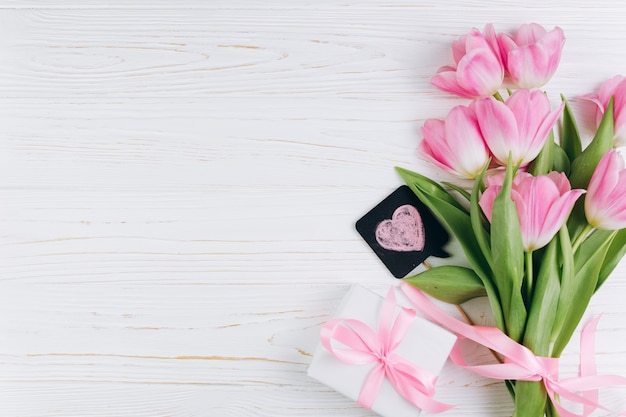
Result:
[
  {"x": 522, "y": 365},
  {"x": 365, "y": 346}
]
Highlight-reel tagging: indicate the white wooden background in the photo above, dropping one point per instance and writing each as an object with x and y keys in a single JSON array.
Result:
[{"x": 179, "y": 182}]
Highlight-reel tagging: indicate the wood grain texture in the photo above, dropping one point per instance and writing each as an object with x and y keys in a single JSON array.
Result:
[
  {"x": 179, "y": 184},
  {"x": 238, "y": 52}
]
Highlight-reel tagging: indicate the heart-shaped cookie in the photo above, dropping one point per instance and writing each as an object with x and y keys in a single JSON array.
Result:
[{"x": 404, "y": 232}]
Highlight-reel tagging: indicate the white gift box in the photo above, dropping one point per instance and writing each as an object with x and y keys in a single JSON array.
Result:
[{"x": 425, "y": 344}]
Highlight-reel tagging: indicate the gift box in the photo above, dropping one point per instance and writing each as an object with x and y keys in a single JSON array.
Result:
[{"x": 419, "y": 348}]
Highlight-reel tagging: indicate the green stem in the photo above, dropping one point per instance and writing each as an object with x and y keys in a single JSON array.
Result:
[
  {"x": 528, "y": 257},
  {"x": 584, "y": 234},
  {"x": 498, "y": 97},
  {"x": 551, "y": 409}
]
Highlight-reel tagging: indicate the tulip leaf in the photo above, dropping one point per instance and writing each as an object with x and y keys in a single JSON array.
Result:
[
  {"x": 458, "y": 222},
  {"x": 508, "y": 259},
  {"x": 429, "y": 186},
  {"x": 585, "y": 163},
  {"x": 458, "y": 189},
  {"x": 567, "y": 258},
  {"x": 566, "y": 279},
  {"x": 452, "y": 284},
  {"x": 542, "y": 164},
  {"x": 570, "y": 138},
  {"x": 531, "y": 397},
  {"x": 577, "y": 219},
  {"x": 576, "y": 294},
  {"x": 561, "y": 162},
  {"x": 542, "y": 311},
  {"x": 614, "y": 255},
  {"x": 478, "y": 220}
]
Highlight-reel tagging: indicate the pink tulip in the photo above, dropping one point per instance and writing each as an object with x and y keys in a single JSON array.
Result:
[
  {"x": 520, "y": 126},
  {"x": 455, "y": 145},
  {"x": 615, "y": 87},
  {"x": 605, "y": 204},
  {"x": 478, "y": 70},
  {"x": 543, "y": 204},
  {"x": 532, "y": 56}
]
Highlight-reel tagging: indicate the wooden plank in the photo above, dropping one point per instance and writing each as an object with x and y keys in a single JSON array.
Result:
[
  {"x": 179, "y": 184},
  {"x": 336, "y": 52},
  {"x": 488, "y": 5}
]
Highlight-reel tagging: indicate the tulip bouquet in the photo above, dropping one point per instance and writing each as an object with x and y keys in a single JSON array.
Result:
[{"x": 544, "y": 223}]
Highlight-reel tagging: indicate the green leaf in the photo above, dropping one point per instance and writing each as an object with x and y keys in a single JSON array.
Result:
[
  {"x": 585, "y": 163},
  {"x": 577, "y": 220},
  {"x": 542, "y": 312},
  {"x": 530, "y": 399},
  {"x": 567, "y": 291},
  {"x": 508, "y": 258},
  {"x": 429, "y": 187},
  {"x": 614, "y": 255},
  {"x": 542, "y": 164},
  {"x": 452, "y": 284},
  {"x": 583, "y": 166},
  {"x": 576, "y": 294},
  {"x": 479, "y": 221},
  {"x": 449, "y": 212},
  {"x": 561, "y": 161},
  {"x": 457, "y": 220},
  {"x": 570, "y": 138},
  {"x": 458, "y": 189},
  {"x": 567, "y": 257}
]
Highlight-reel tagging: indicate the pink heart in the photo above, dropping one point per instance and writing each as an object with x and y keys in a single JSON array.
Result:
[{"x": 404, "y": 232}]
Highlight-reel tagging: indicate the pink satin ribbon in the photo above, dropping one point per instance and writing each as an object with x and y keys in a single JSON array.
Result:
[
  {"x": 522, "y": 365},
  {"x": 366, "y": 346}
]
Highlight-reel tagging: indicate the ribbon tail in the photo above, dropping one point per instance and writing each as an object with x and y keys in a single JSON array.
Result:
[
  {"x": 371, "y": 386},
  {"x": 417, "y": 392},
  {"x": 588, "y": 361},
  {"x": 569, "y": 395}
]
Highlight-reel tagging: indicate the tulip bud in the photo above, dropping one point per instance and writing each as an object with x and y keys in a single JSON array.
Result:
[
  {"x": 478, "y": 70},
  {"x": 543, "y": 204},
  {"x": 518, "y": 127},
  {"x": 605, "y": 203},
  {"x": 531, "y": 56},
  {"x": 455, "y": 145}
]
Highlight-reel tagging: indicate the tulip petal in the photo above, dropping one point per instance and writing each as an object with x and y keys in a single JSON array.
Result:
[
  {"x": 561, "y": 181},
  {"x": 499, "y": 128},
  {"x": 543, "y": 132},
  {"x": 529, "y": 108},
  {"x": 455, "y": 145},
  {"x": 433, "y": 146},
  {"x": 532, "y": 57},
  {"x": 539, "y": 193},
  {"x": 605, "y": 205},
  {"x": 480, "y": 73},
  {"x": 487, "y": 199},
  {"x": 506, "y": 45},
  {"x": 619, "y": 113},
  {"x": 541, "y": 205},
  {"x": 458, "y": 48},
  {"x": 492, "y": 39},
  {"x": 606, "y": 176},
  {"x": 557, "y": 215},
  {"x": 446, "y": 81},
  {"x": 465, "y": 141},
  {"x": 527, "y": 66},
  {"x": 607, "y": 89},
  {"x": 553, "y": 43},
  {"x": 529, "y": 33}
]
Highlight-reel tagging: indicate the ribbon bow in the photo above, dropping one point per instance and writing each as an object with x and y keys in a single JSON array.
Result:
[
  {"x": 521, "y": 364},
  {"x": 366, "y": 346}
]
